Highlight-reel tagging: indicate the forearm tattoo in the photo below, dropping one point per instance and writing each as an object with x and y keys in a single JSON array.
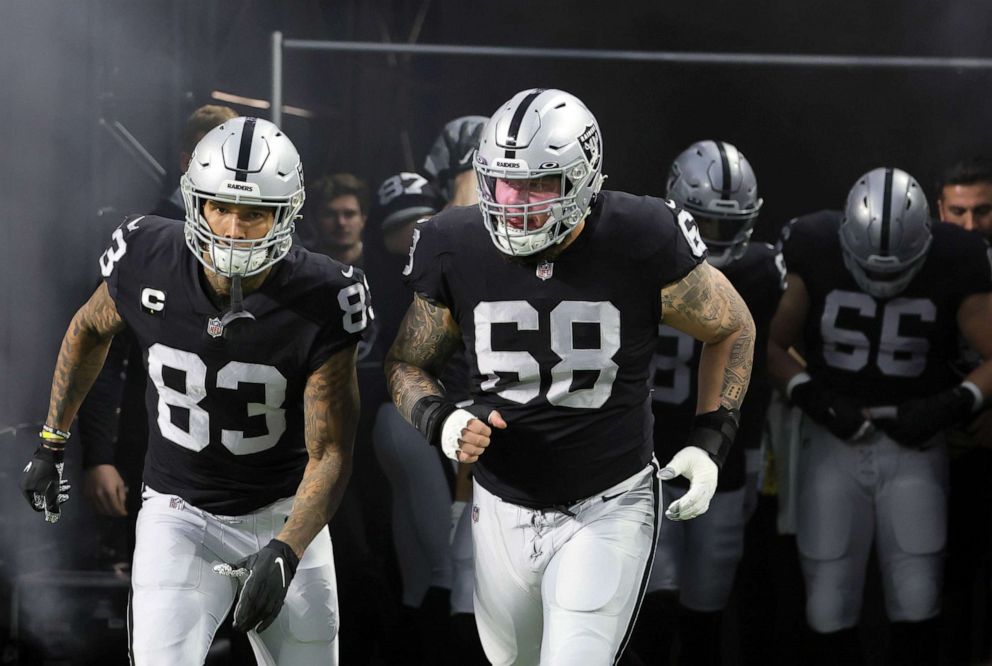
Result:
[
  {"x": 706, "y": 305},
  {"x": 84, "y": 349},
  {"x": 426, "y": 340},
  {"x": 330, "y": 414}
]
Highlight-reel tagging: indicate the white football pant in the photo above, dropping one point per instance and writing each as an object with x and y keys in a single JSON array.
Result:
[
  {"x": 557, "y": 589},
  {"x": 178, "y": 601},
  {"x": 853, "y": 493}
]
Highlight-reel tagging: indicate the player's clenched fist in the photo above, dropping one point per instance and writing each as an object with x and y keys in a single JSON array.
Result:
[{"x": 464, "y": 437}]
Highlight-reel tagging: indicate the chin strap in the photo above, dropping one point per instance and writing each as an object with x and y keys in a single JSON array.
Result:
[{"x": 237, "y": 309}]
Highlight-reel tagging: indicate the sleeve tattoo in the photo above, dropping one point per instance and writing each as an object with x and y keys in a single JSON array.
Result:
[
  {"x": 84, "y": 349},
  {"x": 427, "y": 338},
  {"x": 330, "y": 414},
  {"x": 705, "y": 305}
]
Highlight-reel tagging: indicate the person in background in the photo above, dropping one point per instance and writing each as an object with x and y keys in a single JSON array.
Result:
[
  {"x": 965, "y": 199},
  {"x": 337, "y": 209},
  {"x": 876, "y": 299},
  {"x": 449, "y": 162}
]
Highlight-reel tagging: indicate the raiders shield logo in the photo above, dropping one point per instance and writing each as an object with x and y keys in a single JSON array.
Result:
[
  {"x": 545, "y": 269},
  {"x": 592, "y": 144},
  {"x": 214, "y": 327}
]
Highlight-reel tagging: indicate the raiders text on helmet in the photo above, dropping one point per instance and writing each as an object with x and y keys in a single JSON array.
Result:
[
  {"x": 885, "y": 233},
  {"x": 538, "y": 134},
  {"x": 715, "y": 182},
  {"x": 243, "y": 161}
]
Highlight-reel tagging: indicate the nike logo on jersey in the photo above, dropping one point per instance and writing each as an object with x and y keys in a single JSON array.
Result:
[
  {"x": 467, "y": 157},
  {"x": 133, "y": 224},
  {"x": 282, "y": 570},
  {"x": 607, "y": 498},
  {"x": 349, "y": 272}
]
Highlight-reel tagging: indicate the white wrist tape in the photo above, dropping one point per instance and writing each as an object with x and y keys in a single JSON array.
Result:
[
  {"x": 452, "y": 430},
  {"x": 801, "y": 378},
  {"x": 976, "y": 393}
]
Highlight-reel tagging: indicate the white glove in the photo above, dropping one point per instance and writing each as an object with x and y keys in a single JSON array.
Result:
[
  {"x": 452, "y": 430},
  {"x": 696, "y": 465}
]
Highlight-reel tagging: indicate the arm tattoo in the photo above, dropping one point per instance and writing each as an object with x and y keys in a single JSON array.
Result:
[
  {"x": 705, "y": 305},
  {"x": 330, "y": 414},
  {"x": 81, "y": 356},
  {"x": 426, "y": 340}
]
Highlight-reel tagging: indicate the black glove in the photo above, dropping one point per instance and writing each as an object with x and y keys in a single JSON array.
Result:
[
  {"x": 266, "y": 576},
  {"x": 42, "y": 483},
  {"x": 917, "y": 421},
  {"x": 831, "y": 410}
]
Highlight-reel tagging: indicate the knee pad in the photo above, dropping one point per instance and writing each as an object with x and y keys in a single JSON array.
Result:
[
  {"x": 919, "y": 518},
  {"x": 595, "y": 563},
  {"x": 823, "y": 528},
  {"x": 828, "y": 611},
  {"x": 915, "y": 598},
  {"x": 582, "y": 649}
]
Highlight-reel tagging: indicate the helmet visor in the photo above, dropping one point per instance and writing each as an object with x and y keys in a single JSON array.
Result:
[{"x": 721, "y": 231}]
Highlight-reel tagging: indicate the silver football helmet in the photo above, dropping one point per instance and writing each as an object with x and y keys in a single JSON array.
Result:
[
  {"x": 243, "y": 161},
  {"x": 539, "y": 134},
  {"x": 885, "y": 233},
  {"x": 715, "y": 182}
]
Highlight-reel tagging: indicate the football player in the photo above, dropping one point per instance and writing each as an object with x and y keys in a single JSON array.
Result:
[
  {"x": 877, "y": 392},
  {"x": 697, "y": 560},
  {"x": 556, "y": 289},
  {"x": 249, "y": 343},
  {"x": 449, "y": 162},
  {"x": 965, "y": 195}
]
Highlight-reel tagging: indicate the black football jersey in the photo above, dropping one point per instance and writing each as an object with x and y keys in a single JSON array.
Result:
[
  {"x": 884, "y": 351},
  {"x": 225, "y": 408},
  {"x": 759, "y": 277},
  {"x": 561, "y": 349}
]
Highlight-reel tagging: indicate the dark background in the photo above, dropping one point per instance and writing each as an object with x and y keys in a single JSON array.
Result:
[{"x": 69, "y": 68}]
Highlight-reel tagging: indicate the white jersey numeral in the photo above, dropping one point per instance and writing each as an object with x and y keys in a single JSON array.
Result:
[
  {"x": 235, "y": 373},
  {"x": 354, "y": 302},
  {"x": 413, "y": 248},
  {"x": 677, "y": 367},
  {"x": 689, "y": 229},
  {"x": 113, "y": 254},
  {"x": 897, "y": 355},
  {"x": 527, "y": 385},
  {"x": 403, "y": 183}
]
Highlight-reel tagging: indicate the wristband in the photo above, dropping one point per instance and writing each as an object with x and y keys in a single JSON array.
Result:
[
  {"x": 801, "y": 378},
  {"x": 714, "y": 432},
  {"x": 976, "y": 393},
  {"x": 428, "y": 416}
]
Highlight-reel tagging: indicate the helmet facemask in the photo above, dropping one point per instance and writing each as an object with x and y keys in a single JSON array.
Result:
[
  {"x": 544, "y": 211},
  {"x": 242, "y": 258},
  {"x": 882, "y": 277}
]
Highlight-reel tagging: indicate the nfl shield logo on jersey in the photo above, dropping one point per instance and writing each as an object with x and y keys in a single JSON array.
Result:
[
  {"x": 214, "y": 327},
  {"x": 475, "y": 513},
  {"x": 545, "y": 269}
]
